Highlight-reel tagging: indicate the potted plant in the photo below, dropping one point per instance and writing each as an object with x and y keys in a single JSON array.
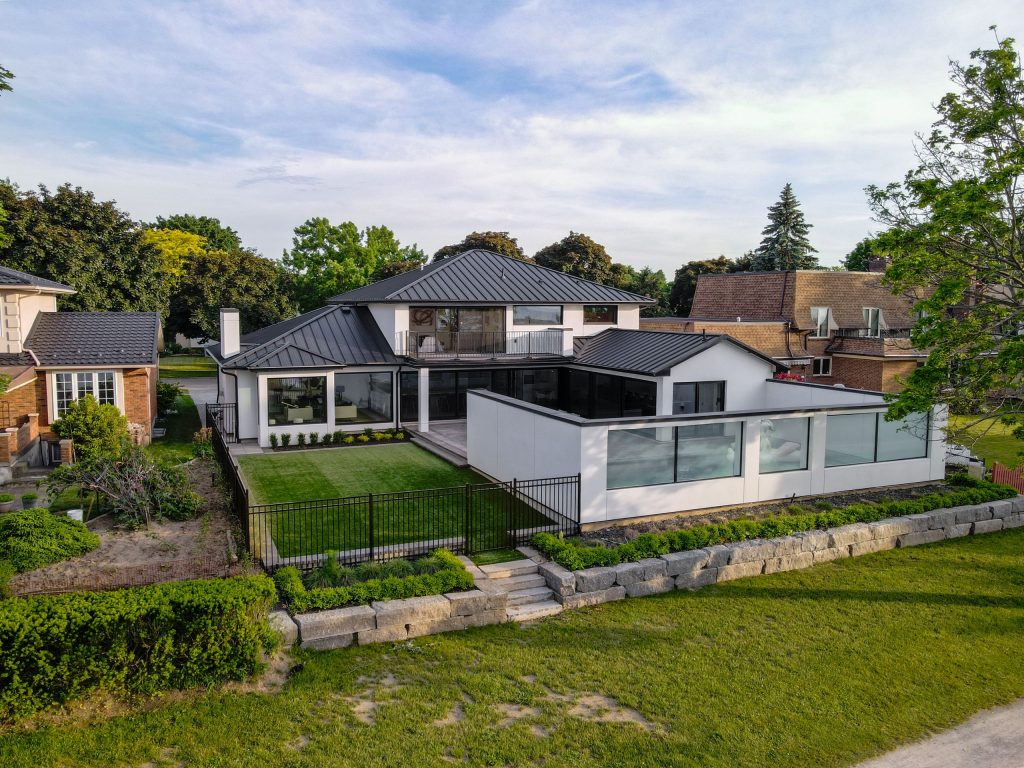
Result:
[
  {"x": 6, "y": 502},
  {"x": 28, "y": 500}
]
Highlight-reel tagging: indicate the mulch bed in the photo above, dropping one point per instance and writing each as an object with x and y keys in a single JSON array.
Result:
[{"x": 614, "y": 535}]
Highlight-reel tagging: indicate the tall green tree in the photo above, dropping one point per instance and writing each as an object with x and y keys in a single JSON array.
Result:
[
  {"x": 216, "y": 235},
  {"x": 93, "y": 246},
  {"x": 652, "y": 284},
  {"x": 256, "y": 286},
  {"x": 499, "y": 242},
  {"x": 680, "y": 299},
  {"x": 859, "y": 259},
  {"x": 577, "y": 254},
  {"x": 785, "y": 244},
  {"x": 955, "y": 236},
  {"x": 5, "y": 79}
]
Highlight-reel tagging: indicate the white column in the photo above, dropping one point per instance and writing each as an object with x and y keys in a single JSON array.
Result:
[
  {"x": 751, "y": 459},
  {"x": 263, "y": 430},
  {"x": 424, "y": 397},
  {"x": 817, "y": 453}
]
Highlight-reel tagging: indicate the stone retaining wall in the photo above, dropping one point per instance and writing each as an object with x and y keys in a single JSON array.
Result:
[{"x": 397, "y": 620}]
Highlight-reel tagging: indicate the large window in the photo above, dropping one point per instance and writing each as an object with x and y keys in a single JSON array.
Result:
[
  {"x": 546, "y": 314},
  {"x": 784, "y": 444},
  {"x": 75, "y": 386},
  {"x": 872, "y": 321},
  {"x": 654, "y": 456},
  {"x": 297, "y": 400},
  {"x": 600, "y": 314},
  {"x": 822, "y": 366},
  {"x": 361, "y": 398},
  {"x": 820, "y": 316},
  {"x": 864, "y": 438},
  {"x": 698, "y": 397}
]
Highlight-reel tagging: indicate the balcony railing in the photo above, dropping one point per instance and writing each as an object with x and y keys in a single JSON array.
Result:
[
  {"x": 450, "y": 345},
  {"x": 877, "y": 333}
]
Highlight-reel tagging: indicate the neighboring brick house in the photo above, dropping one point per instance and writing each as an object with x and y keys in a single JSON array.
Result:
[
  {"x": 53, "y": 358},
  {"x": 832, "y": 327}
]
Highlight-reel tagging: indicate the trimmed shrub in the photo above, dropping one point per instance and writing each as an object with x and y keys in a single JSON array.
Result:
[
  {"x": 167, "y": 395},
  {"x": 132, "y": 641},
  {"x": 300, "y": 439},
  {"x": 348, "y": 439},
  {"x": 314, "y": 438},
  {"x": 576, "y": 555},
  {"x": 328, "y": 438},
  {"x": 274, "y": 441},
  {"x": 96, "y": 430},
  {"x": 452, "y": 576},
  {"x": 286, "y": 439},
  {"x": 37, "y": 537}
]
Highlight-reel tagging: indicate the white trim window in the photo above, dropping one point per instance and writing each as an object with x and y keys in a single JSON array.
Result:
[
  {"x": 873, "y": 322},
  {"x": 822, "y": 319},
  {"x": 822, "y": 366},
  {"x": 72, "y": 386}
]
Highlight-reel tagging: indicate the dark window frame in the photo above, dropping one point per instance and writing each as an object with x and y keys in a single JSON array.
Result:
[
  {"x": 517, "y": 307},
  {"x": 879, "y": 417},
  {"x": 696, "y": 397},
  {"x": 590, "y": 308},
  {"x": 740, "y": 442},
  {"x": 814, "y": 365}
]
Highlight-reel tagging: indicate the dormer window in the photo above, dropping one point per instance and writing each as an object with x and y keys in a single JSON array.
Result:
[
  {"x": 823, "y": 324},
  {"x": 873, "y": 322}
]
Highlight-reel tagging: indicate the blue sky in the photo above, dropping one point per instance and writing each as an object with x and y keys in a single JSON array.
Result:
[{"x": 663, "y": 130}]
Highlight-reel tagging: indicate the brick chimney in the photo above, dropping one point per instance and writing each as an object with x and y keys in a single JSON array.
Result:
[
  {"x": 877, "y": 264},
  {"x": 230, "y": 332}
]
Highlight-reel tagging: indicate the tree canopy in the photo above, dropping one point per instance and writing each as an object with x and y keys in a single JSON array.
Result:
[
  {"x": 785, "y": 244},
  {"x": 577, "y": 254},
  {"x": 216, "y": 235},
  {"x": 955, "y": 233},
  {"x": 685, "y": 284},
  {"x": 256, "y": 286},
  {"x": 5, "y": 79},
  {"x": 327, "y": 259},
  {"x": 93, "y": 246},
  {"x": 499, "y": 242},
  {"x": 176, "y": 249}
]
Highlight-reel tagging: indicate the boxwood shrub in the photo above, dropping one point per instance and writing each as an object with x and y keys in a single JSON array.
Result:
[
  {"x": 33, "y": 538},
  {"x": 576, "y": 555},
  {"x": 451, "y": 577},
  {"x": 132, "y": 641}
]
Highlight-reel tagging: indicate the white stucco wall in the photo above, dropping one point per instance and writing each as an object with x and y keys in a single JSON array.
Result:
[
  {"x": 18, "y": 311},
  {"x": 507, "y": 440},
  {"x": 393, "y": 321},
  {"x": 743, "y": 372},
  {"x": 792, "y": 394}
]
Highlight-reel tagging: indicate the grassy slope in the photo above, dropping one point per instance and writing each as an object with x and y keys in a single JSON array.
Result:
[
  {"x": 823, "y": 667},
  {"x": 186, "y": 367},
  {"x": 993, "y": 442},
  {"x": 336, "y": 472},
  {"x": 176, "y": 445}
]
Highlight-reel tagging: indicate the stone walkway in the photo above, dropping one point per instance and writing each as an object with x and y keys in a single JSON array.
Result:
[{"x": 991, "y": 739}]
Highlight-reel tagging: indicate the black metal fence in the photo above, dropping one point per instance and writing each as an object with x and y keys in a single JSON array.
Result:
[
  {"x": 224, "y": 417},
  {"x": 380, "y": 526}
]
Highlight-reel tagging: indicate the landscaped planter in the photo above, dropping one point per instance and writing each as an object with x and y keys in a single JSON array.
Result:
[{"x": 339, "y": 439}]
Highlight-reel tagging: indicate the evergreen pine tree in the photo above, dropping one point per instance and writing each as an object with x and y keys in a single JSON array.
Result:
[{"x": 785, "y": 244}]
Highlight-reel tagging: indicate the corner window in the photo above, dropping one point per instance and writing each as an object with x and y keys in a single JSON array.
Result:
[
  {"x": 822, "y": 366},
  {"x": 297, "y": 400},
  {"x": 539, "y": 314},
  {"x": 698, "y": 397},
  {"x": 361, "y": 398},
  {"x": 69, "y": 387},
  {"x": 600, "y": 314},
  {"x": 820, "y": 316}
]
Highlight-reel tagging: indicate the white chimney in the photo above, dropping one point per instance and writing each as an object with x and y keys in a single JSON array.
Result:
[{"x": 230, "y": 332}]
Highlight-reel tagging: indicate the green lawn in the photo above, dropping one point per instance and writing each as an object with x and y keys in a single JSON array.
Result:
[
  {"x": 176, "y": 445},
  {"x": 186, "y": 366},
  {"x": 822, "y": 667},
  {"x": 339, "y": 472},
  {"x": 992, "y": 441}
]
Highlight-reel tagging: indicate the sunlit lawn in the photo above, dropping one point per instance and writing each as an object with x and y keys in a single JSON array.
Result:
[
  {"x": 822, "y": 667},
  {"x": 176, "y": 444},
  {"x": 991, "y": 441},
  {"x": 186, "y": 366}
]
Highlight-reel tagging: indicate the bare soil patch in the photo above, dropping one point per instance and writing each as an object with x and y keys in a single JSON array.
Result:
[
  {"x": 169, "y": 551},
  {"x": 614, "y": 535},
  {"x": 376, "y": 691}
]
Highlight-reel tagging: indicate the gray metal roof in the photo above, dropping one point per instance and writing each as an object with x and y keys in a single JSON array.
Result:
[
  {"x": 15, "y": 277},
  {"x": 650, "y": 353},
  {"x": 94, "y": 338},
  {"x": 484, "y": 277},
  {"x": 329, "y": 337}
]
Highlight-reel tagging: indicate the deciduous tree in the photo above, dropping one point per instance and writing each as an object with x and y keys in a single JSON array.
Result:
[
  {"x": 785, "y": 244},
  {"x": 684, "y": 286},
  {"x": 955, "y": 234},
  {"x": 859, "y": 259},
  {"x": 577, "y": 254},
  {"x": 499, "y": 242},
  {"x": 216, "y": 235}
]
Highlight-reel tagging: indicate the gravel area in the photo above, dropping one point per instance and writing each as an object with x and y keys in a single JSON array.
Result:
[{"x": 621, "y": 534}]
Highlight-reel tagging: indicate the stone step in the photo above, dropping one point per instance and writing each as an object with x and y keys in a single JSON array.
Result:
[
  {"x": 507, "y": 570},
  {"x": 514, "y": 583},
  {"x": 534, "y": 611},
  {"x": 532, "y": 595}
]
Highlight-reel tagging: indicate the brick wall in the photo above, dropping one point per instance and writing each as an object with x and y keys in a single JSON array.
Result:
[
  {"x": 140, "y": 396},
  {"x": 858, "y": 372},
  {"x": 893, "y": 370},
  {"x": 26, "y": 399}
]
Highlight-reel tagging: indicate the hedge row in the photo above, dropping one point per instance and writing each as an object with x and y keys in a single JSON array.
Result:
[
  {"x": 137, "y": 641},
  {"x": 453, "y": 577},
  {"x": 577, "y": 555},
  {"x": 33, "y": 538}
]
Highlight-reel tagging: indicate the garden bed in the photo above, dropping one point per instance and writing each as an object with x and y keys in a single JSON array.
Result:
[{"x": 337, "y": 439}]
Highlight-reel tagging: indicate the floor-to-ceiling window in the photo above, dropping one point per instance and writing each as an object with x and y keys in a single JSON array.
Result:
[
  {"x": 361, "y": 398},
  {"x": 456, "y": 330}
]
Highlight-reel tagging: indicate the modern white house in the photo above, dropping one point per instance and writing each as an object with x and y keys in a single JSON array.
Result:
[{"x": 543, "y": 374}]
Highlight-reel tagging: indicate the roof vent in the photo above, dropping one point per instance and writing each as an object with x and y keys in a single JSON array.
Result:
[{"x": 346, "y": 309}]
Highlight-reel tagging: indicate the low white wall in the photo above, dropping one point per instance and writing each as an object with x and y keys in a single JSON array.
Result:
[
  {"x": 507, "y": 439},
  {"x": 779, "y": 393}
]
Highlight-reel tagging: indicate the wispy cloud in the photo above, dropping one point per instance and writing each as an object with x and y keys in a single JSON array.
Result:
[{"x": 662, "y": 129}]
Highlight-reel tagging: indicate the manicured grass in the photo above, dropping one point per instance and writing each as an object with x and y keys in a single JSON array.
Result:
[
  {"x": 186, "y": 366},
  {"x": 331, "y": 473},
  {"x": 992, "y": 441},
  {"x": 496, "y": 556},
  {"x": 176, "y": 445},
  {"x": 823, "y": 667}
]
